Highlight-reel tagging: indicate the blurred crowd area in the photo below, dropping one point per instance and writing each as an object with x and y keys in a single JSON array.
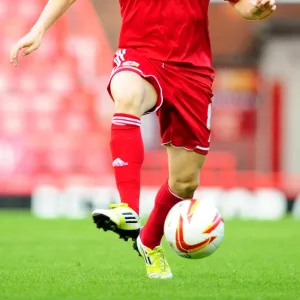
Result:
[{"x": 55, "y": 112}]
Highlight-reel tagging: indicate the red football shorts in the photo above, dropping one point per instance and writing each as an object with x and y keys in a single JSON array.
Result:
[{"x": 184, "y": 103}]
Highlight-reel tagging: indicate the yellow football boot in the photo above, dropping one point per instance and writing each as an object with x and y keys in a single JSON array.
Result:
[
  {"x": 119, "y": 218},
  {"x": 155, "y": 260}
]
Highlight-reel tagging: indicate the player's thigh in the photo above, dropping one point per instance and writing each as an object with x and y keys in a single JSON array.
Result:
[
  {"x": 184, "y": 170},
  {"x": 132, "y": 94}
]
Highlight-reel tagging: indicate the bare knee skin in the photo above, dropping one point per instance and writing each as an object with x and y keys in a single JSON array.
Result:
[
  {"x": 184, "y": 170},
  {"x": 132, "y": 94}
]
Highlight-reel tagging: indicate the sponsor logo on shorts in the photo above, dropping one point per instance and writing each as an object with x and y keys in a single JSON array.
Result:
[{"x": 131, "y": 63}]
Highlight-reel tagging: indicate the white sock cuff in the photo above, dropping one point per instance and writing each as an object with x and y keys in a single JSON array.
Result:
[
  {"x": 119, "y": 120},
  {"x": 178, "y": 197}
]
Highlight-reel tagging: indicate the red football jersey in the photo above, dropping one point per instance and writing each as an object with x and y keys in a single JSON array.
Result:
[{"x": 169, "y": 30}]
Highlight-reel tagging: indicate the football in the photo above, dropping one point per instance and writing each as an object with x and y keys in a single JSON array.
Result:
[{"x": 194, "y": 229}]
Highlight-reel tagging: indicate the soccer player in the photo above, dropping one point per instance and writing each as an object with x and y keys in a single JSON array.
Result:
[{"x": 163, "y": 65}]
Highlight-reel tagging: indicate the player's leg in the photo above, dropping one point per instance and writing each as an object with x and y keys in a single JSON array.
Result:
[
  {"x": 185, "y": 124},
  {"x": 133, "y": 96},
  {"x": 184, "y": 170}
]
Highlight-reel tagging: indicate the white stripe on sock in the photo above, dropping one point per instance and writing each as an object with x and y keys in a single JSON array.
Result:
[
  {"x": 127, "y": 119},
  {"x": 120, "y": 122},
  {"x": 178, "y": 197}
]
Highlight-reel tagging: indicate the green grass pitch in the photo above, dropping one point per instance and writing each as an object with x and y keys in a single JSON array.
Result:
[{"x": 71, "y": 259}]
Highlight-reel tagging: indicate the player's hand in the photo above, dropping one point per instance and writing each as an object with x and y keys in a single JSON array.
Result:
[
  {"x": 263, "y": 8},
  {"x": 29, "y": 43}
]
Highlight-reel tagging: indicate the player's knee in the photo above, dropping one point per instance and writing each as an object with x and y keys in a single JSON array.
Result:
[
  {"x": 184, "y": 187},
  {"x": 128, "y": 93},
  {"x": 128, "y": 101}
]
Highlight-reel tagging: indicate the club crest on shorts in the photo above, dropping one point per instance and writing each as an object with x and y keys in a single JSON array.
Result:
[{"x": 131, "y": 63}]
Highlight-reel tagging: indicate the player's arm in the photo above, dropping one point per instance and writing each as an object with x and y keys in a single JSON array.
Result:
[
  {"x": 31, "y": 41},
  {"x": 254, "y": 9}
]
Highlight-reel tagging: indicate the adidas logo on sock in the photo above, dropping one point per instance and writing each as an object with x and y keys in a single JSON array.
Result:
[{"x": 119, "y": 163}]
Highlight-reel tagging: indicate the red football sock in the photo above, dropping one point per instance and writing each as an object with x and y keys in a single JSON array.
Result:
[
  {"x": 153, "y": 231},
  {"x": 128, "y": 154}
]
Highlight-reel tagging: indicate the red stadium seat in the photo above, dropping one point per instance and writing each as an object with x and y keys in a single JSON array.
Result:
[
  {"x": 220, "y": 160},
  {"x": 6, "y": 82},
  {"x": 28, "y": 9},
  {"x": 45, "y": 102}
]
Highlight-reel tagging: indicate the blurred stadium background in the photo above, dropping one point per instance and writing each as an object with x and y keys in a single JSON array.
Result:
[
  {"x": 55, "y": 114},
  {"x": 55, "y": 163}
]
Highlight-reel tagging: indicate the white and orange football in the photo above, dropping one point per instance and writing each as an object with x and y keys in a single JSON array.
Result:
[{"x": 194, "y": 229}]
